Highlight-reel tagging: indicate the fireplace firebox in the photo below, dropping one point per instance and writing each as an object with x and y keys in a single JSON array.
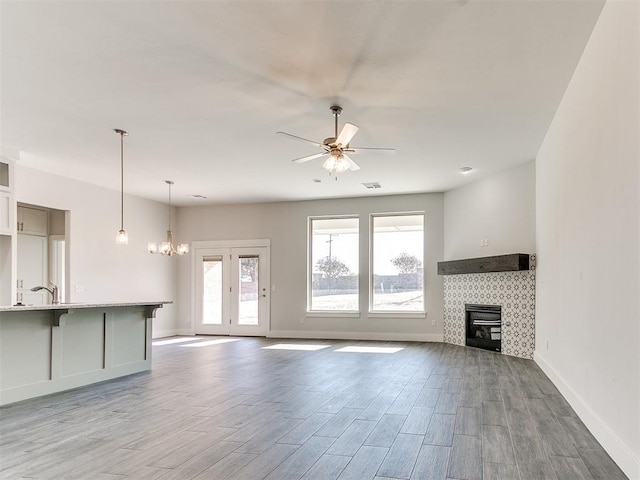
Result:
[{"x": 484, "y": 326}]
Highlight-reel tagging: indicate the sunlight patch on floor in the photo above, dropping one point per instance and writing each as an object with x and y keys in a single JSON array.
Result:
[
  {"x": 357, "y": 349},
  {"x": 208, "y": 343},
  {"x": 171, "y": 341},
  {"x": 295, "y": 346}
]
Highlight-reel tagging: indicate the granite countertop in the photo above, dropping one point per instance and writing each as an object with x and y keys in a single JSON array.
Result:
[{"x": 71, "y": 306}]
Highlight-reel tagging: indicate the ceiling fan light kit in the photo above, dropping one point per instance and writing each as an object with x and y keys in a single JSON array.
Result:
[{"x": 335, "y": 148}]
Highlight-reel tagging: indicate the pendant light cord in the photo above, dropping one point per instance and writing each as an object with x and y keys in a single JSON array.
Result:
[
  {"x": 121, "y": 180},
  {"x": 169, "y": 205}
]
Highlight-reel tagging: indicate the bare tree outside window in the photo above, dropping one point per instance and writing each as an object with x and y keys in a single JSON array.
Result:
[
  {"x": 406, "y": 263},
  {"x": 332, "y": 267}
]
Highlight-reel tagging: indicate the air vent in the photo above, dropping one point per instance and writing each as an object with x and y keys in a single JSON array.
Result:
[
  {"x": 198, "y": 196},
  {"x": 372, "y": 185}
]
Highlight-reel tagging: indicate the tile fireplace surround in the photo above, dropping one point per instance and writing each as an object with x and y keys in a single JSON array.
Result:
[{"x": 514, "y": 291}]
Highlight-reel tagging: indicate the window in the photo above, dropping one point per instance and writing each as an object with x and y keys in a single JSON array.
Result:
[
  {"x": 333, "y": 269},
  {"x": 397, "y": 272},
  {"x": 212, "y": 291}
]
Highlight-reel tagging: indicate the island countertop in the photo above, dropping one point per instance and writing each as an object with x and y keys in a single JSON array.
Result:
[{"x": 70, "y": 306}]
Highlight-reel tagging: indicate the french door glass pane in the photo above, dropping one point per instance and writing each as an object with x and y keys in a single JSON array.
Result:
[
  {"x": 334, "y": 264},
  {"x": 212, "y": 290},
  {"x": 248, "y": 293},
  {"x": 398, "y": 272}
]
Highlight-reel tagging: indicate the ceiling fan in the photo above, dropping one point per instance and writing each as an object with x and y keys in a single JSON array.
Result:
[{"x": 335, "y": 148}]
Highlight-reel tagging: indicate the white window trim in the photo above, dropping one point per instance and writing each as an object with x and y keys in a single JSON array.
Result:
[
  {"x": 326, "y": 313},
  {"x": 333, "y": 314},
  {"x": 392, "y": 314},
  {"x": 389, "y": 313}
]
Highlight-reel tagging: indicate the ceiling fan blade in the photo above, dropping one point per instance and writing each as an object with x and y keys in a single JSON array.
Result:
[
  {"x": 302, "y": 139},
  {"x": 347, "y": 133},
  {"x": 309, "y": 157},
  {"x": 372, "y": 150},
  {"x": 353, "y": 166}
]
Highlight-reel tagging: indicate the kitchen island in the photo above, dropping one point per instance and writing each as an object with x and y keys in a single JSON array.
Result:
[{"x": 51, "y": 348}]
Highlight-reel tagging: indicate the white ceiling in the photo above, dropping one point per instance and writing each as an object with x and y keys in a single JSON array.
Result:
[{"x": 202, "y": 87}]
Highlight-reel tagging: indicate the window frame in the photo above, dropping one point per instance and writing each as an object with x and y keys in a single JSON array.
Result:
[
  {"x": 328, "y": 313},
  {"x": 396, "y": 313}
]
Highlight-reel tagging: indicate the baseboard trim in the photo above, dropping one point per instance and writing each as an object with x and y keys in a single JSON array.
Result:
[
  {"x": 173, "y": 332},
  {"x": 184, "y": 331},
  {"x": 164, "y": 333},
  {"x": 628, "y": 462},
  {"x": 400, "y": 337}
]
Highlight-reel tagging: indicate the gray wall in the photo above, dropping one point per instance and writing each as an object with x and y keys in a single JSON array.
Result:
[
  {"x": 588, "y": 238},
  {"x": 285, "y": 224},
  {"x": 500, "y": 209}
]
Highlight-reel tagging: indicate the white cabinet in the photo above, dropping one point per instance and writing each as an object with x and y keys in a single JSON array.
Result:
[
  {"x": 32, "y": 269},
  {"x": 6, "y": 172},
  {"x": 7, "y": 205},
  {"x": 33, "y": 221},
  {"x": 6, "y": 213}
]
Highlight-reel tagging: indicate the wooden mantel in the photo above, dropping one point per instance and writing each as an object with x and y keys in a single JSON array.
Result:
[{"x": 500, "y": 263}]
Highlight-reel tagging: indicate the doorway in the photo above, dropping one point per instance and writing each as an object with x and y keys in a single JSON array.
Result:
[{"x": 231, "y": 288}]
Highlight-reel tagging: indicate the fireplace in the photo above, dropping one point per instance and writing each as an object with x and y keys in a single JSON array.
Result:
[{"x": 484, "y": 326}]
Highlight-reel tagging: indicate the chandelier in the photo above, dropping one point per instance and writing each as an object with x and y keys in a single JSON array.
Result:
[{"x": 168, "y": 247}]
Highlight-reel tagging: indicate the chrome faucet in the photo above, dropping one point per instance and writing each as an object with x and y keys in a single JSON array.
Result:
[{"x": 53, "y": 290}]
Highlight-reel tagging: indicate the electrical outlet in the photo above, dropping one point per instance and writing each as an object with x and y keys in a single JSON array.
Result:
[
  {"x": 433, "y": 322},
  {"x": 79, "y": 288},
  {"x": 547, "y": 344}
]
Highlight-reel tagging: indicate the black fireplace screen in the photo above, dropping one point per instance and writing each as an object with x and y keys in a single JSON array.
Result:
[{"x": 484, "y": 326}]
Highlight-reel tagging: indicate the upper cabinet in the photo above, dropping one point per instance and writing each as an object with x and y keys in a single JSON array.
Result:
[
  {"x": 33, "y": 221},
  {"x": 7, "y": 207},
  {"x": 6, "y": 213},
  {"x": 6, "y": 182}
]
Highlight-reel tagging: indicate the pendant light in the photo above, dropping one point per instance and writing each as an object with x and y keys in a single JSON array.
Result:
[
  {"x": 168, "y": 247},
  {"x": 121, "y": 238}
]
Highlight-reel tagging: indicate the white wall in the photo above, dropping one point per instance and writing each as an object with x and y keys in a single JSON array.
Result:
[
  {"x": 500, "y": 208},
  {"x": 285, "y": 224},
  {"x": 108, "y": 272},
  {"x": 588, "y": 220}
]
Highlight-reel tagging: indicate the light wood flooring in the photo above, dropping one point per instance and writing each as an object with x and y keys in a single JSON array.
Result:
[{"x": 237, "y": 410}]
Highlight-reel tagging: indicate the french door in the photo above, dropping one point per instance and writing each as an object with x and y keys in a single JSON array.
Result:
[{"x": 232, "y": 290}]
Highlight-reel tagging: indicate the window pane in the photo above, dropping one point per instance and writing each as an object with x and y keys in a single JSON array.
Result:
[
  {"x": 334, "y": 264},
  {"x": 212, "y": 291},
  {"x": 248, "y": 291},
  {"x": 398, "y": 273}
]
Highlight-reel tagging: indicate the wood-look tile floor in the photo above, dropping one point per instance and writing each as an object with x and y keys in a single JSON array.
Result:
[{"x": 238, "y": 410}]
